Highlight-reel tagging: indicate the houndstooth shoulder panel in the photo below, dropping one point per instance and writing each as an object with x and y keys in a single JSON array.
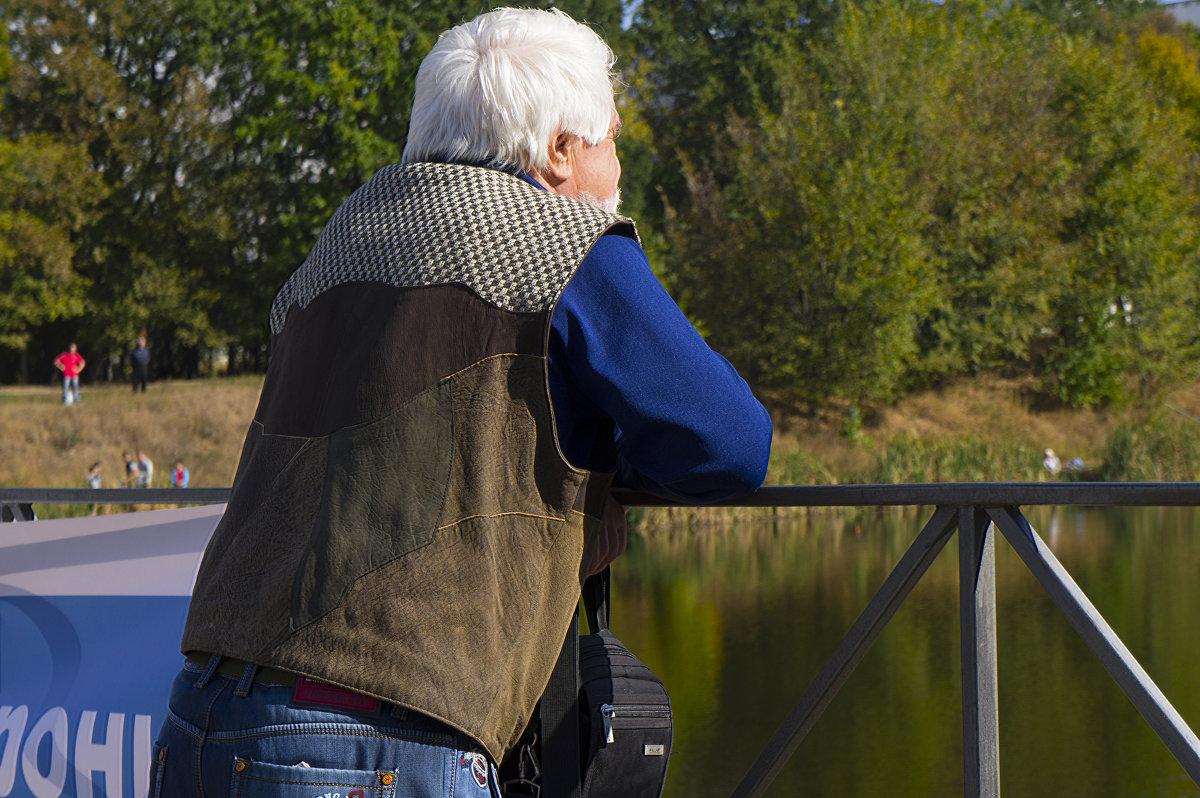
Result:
[{"x": 425, "y": 224}]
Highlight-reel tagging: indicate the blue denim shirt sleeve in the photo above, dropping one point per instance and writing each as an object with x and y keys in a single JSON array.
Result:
[{"x": 621, "y": 352}]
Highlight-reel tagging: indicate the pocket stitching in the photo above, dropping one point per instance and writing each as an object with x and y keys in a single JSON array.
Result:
[{"x": 160, "y": 760}]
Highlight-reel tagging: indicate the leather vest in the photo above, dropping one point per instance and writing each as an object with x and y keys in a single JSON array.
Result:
[{"x": 403, "y": 522}]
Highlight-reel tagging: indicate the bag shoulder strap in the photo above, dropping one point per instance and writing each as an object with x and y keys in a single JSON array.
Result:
[
  {"x": 559, "y": 713},
  {"x": 560, "y": 722},
  {"x": 596, "y": 595}
]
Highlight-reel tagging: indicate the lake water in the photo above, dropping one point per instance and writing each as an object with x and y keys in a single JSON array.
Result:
[{"x": 738, "y": 619}]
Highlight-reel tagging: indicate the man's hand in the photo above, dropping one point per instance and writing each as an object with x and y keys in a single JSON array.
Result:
[{"x": 610, "y": 542}]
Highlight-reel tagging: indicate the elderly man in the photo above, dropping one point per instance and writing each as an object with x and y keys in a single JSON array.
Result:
[{"x": 384, "y": 599}]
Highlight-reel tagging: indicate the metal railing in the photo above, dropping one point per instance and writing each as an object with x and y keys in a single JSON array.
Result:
[
  {"x": 975, "y": 511},
  {"x": 16, "y": 504}
]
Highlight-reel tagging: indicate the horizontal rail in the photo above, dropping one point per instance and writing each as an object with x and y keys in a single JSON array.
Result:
[
  {"x": 973, "y": 494},
  {"x": 941, "y": 494},
  {"x": 114, "y": 495}
]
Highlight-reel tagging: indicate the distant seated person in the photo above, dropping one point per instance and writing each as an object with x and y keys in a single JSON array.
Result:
[
  {"x": 131, "y": 470},
  {"x": 179, "y": 475},
  {"x": 145, "y": 470},
  {"x": 93, "y": 475},
  {"x": 1050, "y": 462}
]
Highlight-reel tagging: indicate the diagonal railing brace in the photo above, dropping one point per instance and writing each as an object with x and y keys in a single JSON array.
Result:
[
  {"x": 849, "y": 653},
  {"x": 1100, "y": 637}
]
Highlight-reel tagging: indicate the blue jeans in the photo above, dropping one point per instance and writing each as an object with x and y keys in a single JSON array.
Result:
[
  {"x": 240, "y": 737},
  {"x": 70, "y": 384}
]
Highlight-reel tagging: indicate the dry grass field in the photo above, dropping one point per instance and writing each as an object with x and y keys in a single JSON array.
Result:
[
  {"x": 48, "y": 445},
  {"x": 990, "y": 409},
  {"x": 45, "y": 444}
]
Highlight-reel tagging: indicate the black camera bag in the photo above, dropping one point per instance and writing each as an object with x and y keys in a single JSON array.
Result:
[{"x": 621, "y": 712}]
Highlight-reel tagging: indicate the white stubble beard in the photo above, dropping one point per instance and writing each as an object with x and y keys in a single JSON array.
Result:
[{"x": 609, "y": 205}]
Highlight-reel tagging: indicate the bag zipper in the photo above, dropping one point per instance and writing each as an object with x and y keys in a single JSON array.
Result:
[{"x": 608, "y": 712}]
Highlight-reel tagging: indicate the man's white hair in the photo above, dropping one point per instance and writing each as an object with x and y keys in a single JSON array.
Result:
[{"x": 498, "y": 89}]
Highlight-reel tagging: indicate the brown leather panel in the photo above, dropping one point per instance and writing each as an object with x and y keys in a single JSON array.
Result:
[
  {"x": 309, "y": 517},
  {"x": 589, "y": 507},
  {"x": 505, "y": 459},
  {"x": 494, "y": 617},
  {"x": 383, "y": 491},
  {"x": 361, "y": 350},
  {"x": 253, "y": 556}
]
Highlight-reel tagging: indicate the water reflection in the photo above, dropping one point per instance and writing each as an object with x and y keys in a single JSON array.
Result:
[{"x": 737, "y": 619}]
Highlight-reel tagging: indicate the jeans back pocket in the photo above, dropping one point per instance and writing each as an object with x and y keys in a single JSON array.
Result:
[{"x": 252, "y": 779}]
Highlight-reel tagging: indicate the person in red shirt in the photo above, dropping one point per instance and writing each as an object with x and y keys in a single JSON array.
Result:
[{"x": 70, "y": 363}]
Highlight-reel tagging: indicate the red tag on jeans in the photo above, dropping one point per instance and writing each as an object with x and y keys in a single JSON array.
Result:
[{"x": 328, "y": 695}]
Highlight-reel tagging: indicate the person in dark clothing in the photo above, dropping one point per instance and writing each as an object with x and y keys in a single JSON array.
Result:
[{"x": 139, "y": 361}]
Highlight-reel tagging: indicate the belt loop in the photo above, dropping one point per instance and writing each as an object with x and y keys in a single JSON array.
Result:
[
  {"x": 243, "y": 685},
  {"x": 213, "y": 661}
]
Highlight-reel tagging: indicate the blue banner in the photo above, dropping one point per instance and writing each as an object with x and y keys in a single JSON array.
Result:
[{"x": 91, "y": 611}]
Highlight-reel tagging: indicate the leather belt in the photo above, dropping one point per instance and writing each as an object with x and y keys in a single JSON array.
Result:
[
  {"x": 307, "y": 691},
  {"x": 235, "y": 667}
]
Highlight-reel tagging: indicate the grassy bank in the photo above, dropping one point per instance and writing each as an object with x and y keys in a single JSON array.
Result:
[
  {"x": 987, "y": 430},
  {"x": 49, "y": 445}
]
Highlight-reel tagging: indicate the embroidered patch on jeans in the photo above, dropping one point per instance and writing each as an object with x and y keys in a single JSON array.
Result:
[
  {"x": 479, "y": 769},
  {"x": 309, "y": 691}
]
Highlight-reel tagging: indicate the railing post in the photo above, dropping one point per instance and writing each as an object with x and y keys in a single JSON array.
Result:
[{"x": 977, "y": 622}]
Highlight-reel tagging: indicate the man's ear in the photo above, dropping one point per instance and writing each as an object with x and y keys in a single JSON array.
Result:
[{"x": 560, "y": 166}]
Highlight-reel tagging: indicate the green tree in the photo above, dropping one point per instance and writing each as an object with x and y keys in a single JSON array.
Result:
[
  {"x": 46, "y": 194},
  {"x": 1132, "y": 298},
  {"x": 696, "y": 63},
  {"x": 119, "y": 79},
  {"x": 999, "y": 186},
  {"x": 1063, "y": 216},
  {"x": 942, "y": 190},
  {"x": 807, "y": 266},
  {"x": 224, "y": 133},
  {"x": 1101, "y": 18}
]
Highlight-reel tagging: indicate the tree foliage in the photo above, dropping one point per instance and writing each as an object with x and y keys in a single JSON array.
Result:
[
  {"x": 46, "y": 195},
  {"x": 945, "y": 190},
  {"x": 695, "y": 63},
  {"x": 808, "y": 264},
  {"x": 224, "y": 134},
  {"x": 852, "y": 200},
  {"x": 117, "y": 79}
]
